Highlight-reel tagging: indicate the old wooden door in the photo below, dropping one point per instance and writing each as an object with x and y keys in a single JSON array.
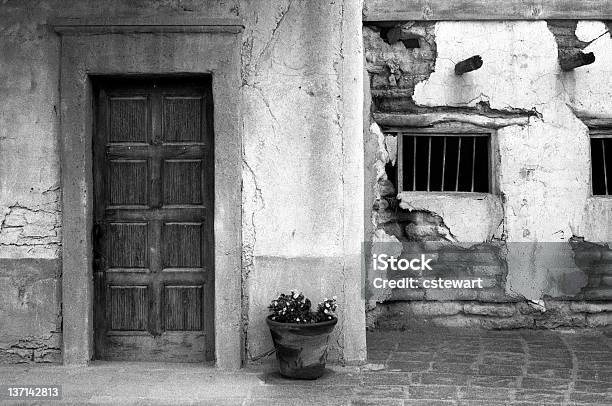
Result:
[{"x": 153, "y": 221}]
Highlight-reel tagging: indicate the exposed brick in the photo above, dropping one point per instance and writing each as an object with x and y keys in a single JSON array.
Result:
[
  {"x": 593, "y": 281},
  {"x": 599, "y": 320},
  {"x": 407, "y": 294},
  {"x": 25, "y": 354},
  {"x": 458, "y": 320},
  {"x": 597, "y": 294},
  {"x": 427, "y": 309},
  {"x": 9, "y": 357},
  {"x": 508, "y": 323},
  {"x": 451, "y": 294},
  {"x": 606, "y": 255},
  {"x": 386, "y": 188},
  {"x": 586, "y": 307},
  {"x": 499, "y": 310},
  {"x": 470, "y": 257},
  {"x": 495, "y": 295},
  {"x": 526, "y": 308},
  {"x": 554, "y": 320},
  {"x": 48, "y": 356},
  {"x": 599, "y": 269},
  {"x": 487, "y": 270},
  {"x": 394, "y": 70},
  {"x": 606, "y": 280}
]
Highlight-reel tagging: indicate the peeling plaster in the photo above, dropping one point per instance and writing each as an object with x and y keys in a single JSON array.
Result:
[
  {"x": 588, "y": 31},
  {"x": 543, "y": 171},
  {"x": 32, "y": 231},
  {"x": 517, "y": 55}
]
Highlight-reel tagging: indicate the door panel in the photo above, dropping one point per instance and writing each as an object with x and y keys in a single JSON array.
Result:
[{"x": 154, "y": 276}]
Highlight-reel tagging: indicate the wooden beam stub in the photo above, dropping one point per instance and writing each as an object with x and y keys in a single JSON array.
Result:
[
  {"x": 468, "y": 65},
  {"x": 574, "y": 60}
]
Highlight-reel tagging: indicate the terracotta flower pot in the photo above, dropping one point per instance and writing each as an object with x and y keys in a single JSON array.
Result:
[{"x": 301, "y": 349}]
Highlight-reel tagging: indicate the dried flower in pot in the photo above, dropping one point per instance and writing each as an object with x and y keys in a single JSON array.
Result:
[{"x": 300, "y": 334}]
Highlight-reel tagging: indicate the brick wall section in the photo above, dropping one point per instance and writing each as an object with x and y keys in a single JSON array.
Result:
[
  {"x": 564, "y": 32},
  {"x": 595, "y": 260},
  {"x": 409, "y": 314},
  {"x": 483, "y": 261},
  {"x": 427, "y": 232},
  {"x": 395, "y": 70}
]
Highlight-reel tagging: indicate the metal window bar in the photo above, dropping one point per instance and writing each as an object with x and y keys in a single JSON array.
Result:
[
  {"x": 443, "y": 162},
  {"x": 418, "y": 173},
  {"x": 458, "y": 164},
  {"x": 473, "y": 161},
  {"x": 428, "y": 163},
  {"x": 601, "y": 135},
  {"x": 413, "y": 164}
]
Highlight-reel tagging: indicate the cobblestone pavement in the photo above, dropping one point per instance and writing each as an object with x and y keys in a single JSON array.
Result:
[
  {"x": 519, "y": 367},
  {"x": 425, "y": 367}
]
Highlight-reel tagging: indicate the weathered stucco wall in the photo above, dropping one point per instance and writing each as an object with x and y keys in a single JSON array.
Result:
[
  {"x": 303, "y": 159},
  {"x": 302, "y": 162},
  {"x": 543, "y": 167}
]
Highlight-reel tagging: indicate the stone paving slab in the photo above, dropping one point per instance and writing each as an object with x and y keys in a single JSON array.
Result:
[{"x": 415, "y": 367}]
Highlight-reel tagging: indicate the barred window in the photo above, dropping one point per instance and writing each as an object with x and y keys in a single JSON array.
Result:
[
  {"x": 444, "y": 162},
  {"x": 601, "y": 162}
]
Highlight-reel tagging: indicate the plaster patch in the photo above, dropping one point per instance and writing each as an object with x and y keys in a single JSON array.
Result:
[
  {"x": 590, "y": 87},
  {"x": 589, "y": 30},
  {"x": 472, "y": 218},
  {"x": 520, "y": 64}
]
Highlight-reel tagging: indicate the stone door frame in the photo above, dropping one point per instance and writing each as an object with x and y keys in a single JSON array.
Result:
[{"x": 92, "y": 48}]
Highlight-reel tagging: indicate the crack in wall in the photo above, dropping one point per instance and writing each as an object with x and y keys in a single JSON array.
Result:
[
  {"x": 22, "y": 226},
  {"x": 39, "y": 349},
  {"x": 248, "y": 46}
]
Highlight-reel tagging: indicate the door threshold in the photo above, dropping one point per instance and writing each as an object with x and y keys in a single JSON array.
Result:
[{"x": 149, "y": 365}]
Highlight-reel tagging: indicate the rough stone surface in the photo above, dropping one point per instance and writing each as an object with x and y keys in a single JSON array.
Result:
[
  {"x": 552, "y": 314},
  {"x": 395, "y": 69},
  {"x": 499, "y": 310},
  {"x": 426, "y": 309},
  {"x": 584, "y": 307},
  {"x": 599, "y": 319}
]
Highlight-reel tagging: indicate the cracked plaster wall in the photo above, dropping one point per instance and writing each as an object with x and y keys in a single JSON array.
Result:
[
  {"x": 543, "y": 171},
  {"x": 303, "y": 160}
]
